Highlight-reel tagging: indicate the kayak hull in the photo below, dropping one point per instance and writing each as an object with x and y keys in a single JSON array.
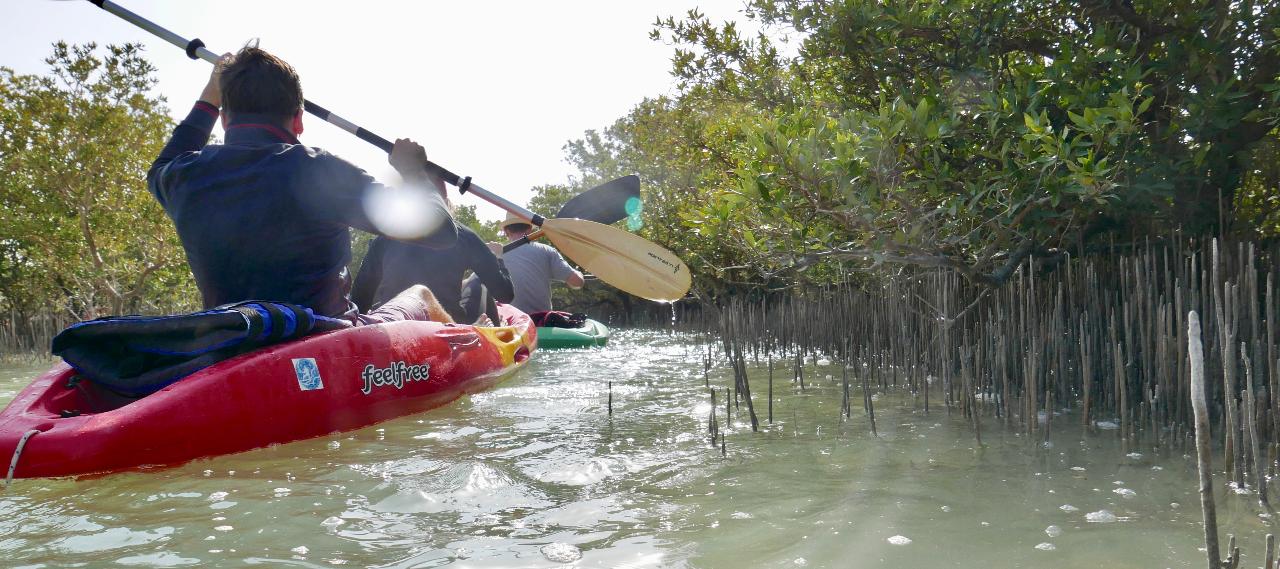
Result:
[
  {"x": 591, "y": 334},
  {"x": 321, "y": 384}
]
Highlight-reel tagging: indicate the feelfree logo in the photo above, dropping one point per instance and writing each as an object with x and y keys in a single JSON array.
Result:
[{"x": 396, "y": 374}]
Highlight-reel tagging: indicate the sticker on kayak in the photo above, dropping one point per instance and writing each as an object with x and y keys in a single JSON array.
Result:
[
  {"x": 308, "y": 374},
  {"x": 396, "y": 374}
]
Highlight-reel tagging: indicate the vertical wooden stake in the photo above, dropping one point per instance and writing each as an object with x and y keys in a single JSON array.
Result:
[{"x": 1203, "y": 457}]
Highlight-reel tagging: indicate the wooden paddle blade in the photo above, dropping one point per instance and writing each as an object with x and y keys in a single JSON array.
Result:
[
  {"x": 607, "y": 203},
  {"x": 624, "y": 260}
]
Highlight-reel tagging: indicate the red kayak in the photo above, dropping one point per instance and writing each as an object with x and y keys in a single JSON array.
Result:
[{"x": 336, "y": 381}]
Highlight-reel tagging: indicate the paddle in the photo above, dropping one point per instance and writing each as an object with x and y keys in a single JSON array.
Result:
[
  {"x": 607, "y": 203},
  {"x": 621, "y": 259},
  {"x": 611, "y": 256}
]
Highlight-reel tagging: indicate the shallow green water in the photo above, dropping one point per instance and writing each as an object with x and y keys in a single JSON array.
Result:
[{"x": 535, "y": 473}]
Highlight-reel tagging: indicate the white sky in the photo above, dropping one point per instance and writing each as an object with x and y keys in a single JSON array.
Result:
[{"x": 492, "y": 89}]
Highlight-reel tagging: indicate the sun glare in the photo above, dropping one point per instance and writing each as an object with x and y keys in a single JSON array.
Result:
[{"x": 402, "y": 213}]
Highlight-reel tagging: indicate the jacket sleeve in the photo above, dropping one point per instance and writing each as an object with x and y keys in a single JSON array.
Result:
[
  {"x": 369, "y": 276},
  {"x": 189, "y": 136},
  {"x": 489, "y": 268},
  {"x": 340, "y": 192}
]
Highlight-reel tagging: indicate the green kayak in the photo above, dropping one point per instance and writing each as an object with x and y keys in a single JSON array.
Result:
[{"x": 591, "y": 334}]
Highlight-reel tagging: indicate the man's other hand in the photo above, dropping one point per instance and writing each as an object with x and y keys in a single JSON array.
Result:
[
  {"x": 409, "y": 159},
  {"x": 212, "y": 93}
]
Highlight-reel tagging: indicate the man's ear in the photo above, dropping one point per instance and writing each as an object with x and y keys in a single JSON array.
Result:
[{"x": 296, "y": 125}]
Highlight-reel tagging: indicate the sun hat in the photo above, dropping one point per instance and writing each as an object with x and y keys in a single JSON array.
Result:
[{"x": 513, "y": 219}]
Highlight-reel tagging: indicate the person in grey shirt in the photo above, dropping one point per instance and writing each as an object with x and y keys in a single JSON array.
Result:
[{"x": 533, "y": 267}]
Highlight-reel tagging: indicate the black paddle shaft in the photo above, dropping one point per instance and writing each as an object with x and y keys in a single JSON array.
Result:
[{"x": 196, "y": 50}]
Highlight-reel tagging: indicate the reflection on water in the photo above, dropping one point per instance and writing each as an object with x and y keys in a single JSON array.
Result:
[{"x": 535, "y": 473}]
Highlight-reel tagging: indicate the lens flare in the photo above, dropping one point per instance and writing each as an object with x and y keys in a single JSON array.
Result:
[
  {"x": 403, "y": 213},
  {"x": 634, "y": 208}
]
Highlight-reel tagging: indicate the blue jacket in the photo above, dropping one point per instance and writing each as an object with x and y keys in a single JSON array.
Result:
[{"x": 263, "y": 217}]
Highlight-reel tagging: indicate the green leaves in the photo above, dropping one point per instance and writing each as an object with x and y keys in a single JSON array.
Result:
[
  {"x": 81, "y": 233},
  {"x": 945, "y": 132}
]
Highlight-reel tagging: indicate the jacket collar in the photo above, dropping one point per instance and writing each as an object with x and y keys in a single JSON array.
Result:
[{"x": 251, "y": 129}]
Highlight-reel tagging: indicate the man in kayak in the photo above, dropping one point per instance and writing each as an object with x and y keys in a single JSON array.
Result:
[
  {"x": 263, "y": 217},
  {"x": 390, "y": 266},
  {"x": 533, "y": 267}
]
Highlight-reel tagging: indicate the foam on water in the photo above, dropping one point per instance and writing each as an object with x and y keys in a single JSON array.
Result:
[
  {"x": 561, "y": 552},
  {"x": 1101, "y": 517}
]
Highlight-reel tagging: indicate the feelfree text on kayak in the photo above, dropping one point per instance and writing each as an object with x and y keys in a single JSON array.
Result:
[{"x": 396, "y": 374}]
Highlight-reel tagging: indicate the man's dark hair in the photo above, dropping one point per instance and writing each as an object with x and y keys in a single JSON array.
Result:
[{"x": 255, "y": 81}]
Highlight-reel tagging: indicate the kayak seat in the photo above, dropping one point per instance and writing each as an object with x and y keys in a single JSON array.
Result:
[
  {"x": 134, "y": 356},
  {"x": 558, "y": 319}
]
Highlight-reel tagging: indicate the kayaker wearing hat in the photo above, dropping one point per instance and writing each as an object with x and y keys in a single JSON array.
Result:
[
  {"x": 533, "y": 267},
  {"x": 263, "y": 217}
]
